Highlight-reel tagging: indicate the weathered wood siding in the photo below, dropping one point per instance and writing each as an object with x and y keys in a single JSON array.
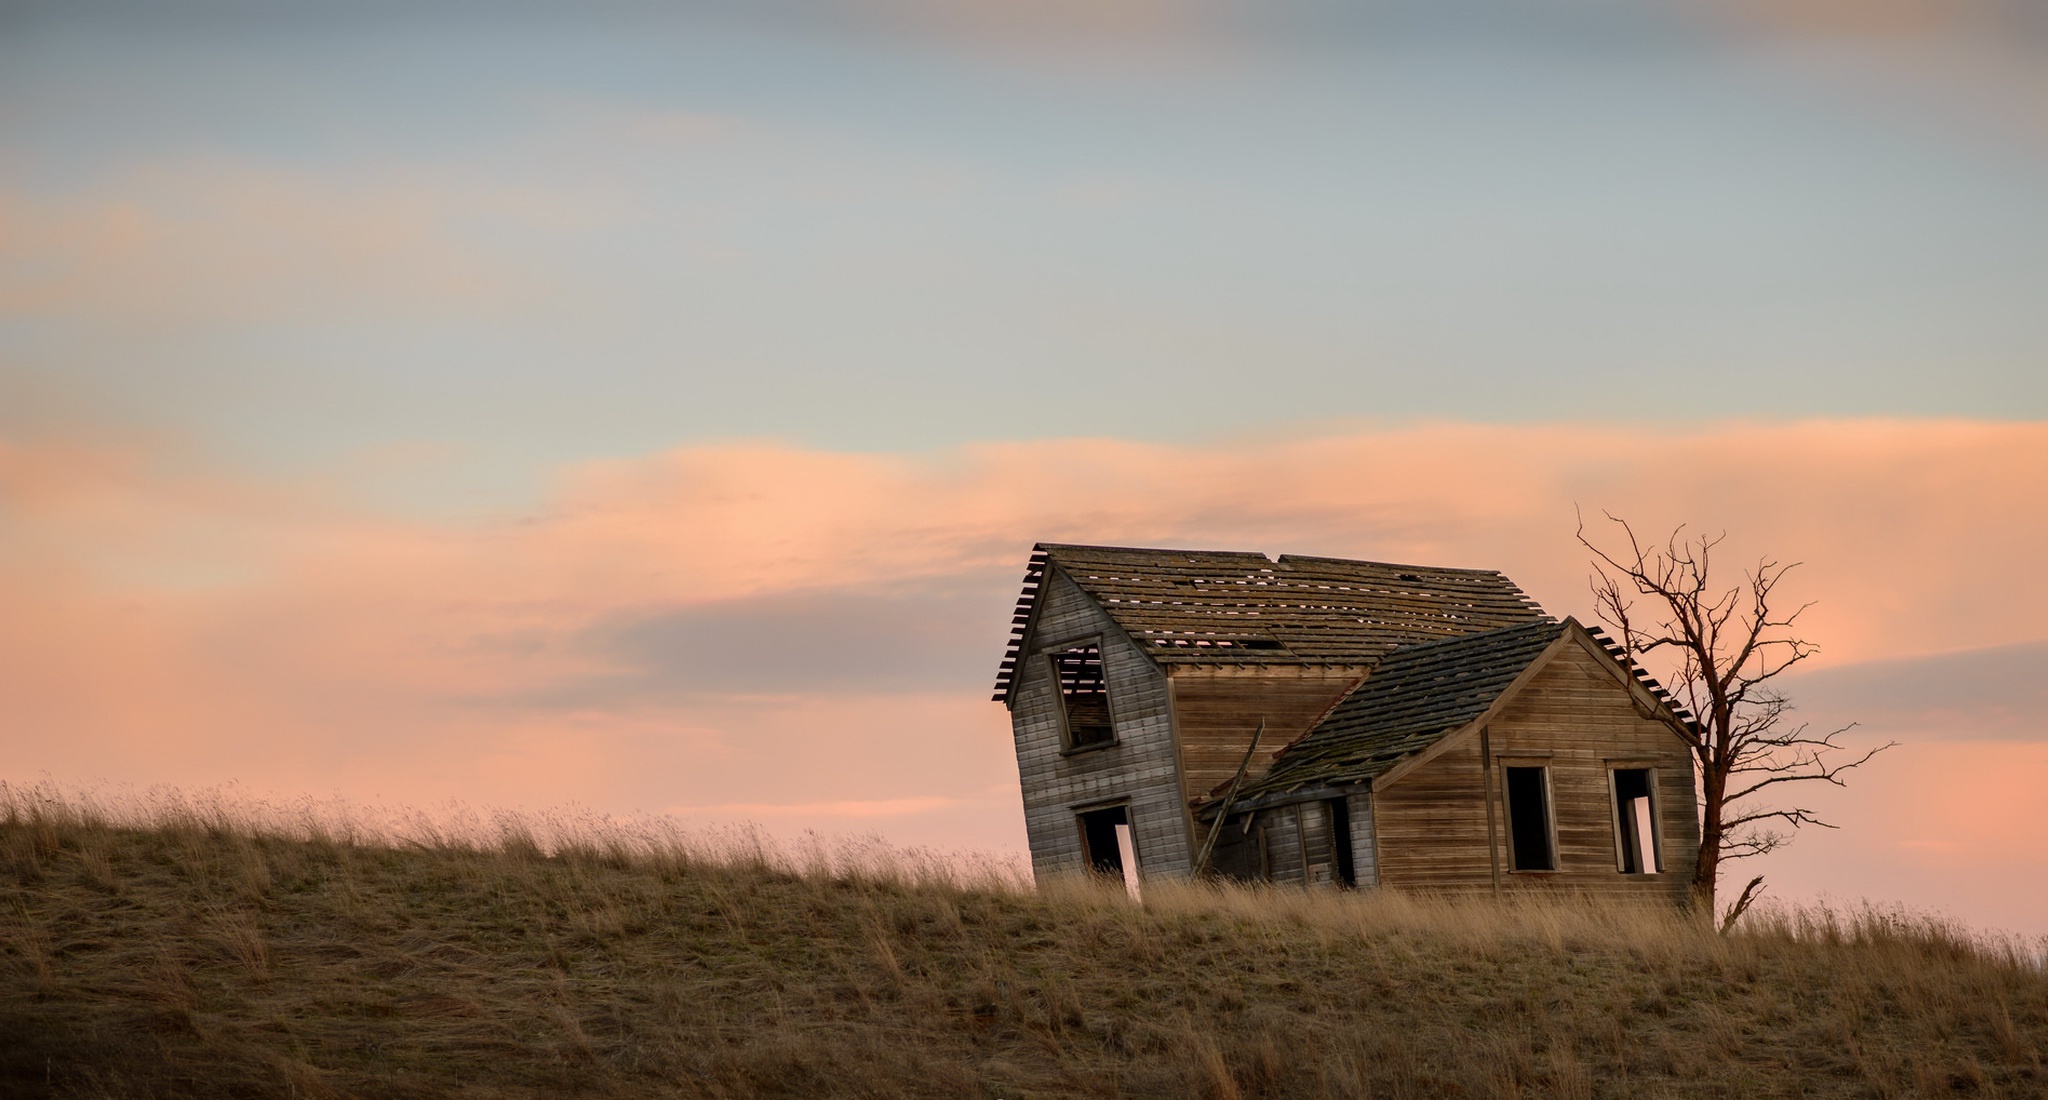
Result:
[
  {"x": 1140, "y": 768},
  {"x": 1218, "y": 708},
  {"x": 1280, "y": 847},
  {"x": 1432, "y": 823},
  {"x": 1294, "y": 844},
  {"x": 1578, "y": 720}
]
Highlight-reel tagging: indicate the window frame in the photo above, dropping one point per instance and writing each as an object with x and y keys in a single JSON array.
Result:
[
  {"x": 1543, "y": 765},
  {"x": 1649, "y": 771},
  {"x": 1049, "y": 655}
]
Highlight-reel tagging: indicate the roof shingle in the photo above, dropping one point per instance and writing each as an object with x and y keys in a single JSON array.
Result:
[
  {"x": 1211, "y": 607},
  {"x": 1414, "y": 696}
]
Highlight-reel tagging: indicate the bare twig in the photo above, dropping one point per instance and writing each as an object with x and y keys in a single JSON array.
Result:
[{"x": 1722, "y": 648}]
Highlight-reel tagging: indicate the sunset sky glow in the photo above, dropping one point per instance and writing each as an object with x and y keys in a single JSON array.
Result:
[{"x": 651, "y": 407}]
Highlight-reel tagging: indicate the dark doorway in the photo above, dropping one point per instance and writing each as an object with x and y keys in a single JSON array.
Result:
[
  {"x": 1098, "y": 839},
  {"x": 1529, "y": 820}
]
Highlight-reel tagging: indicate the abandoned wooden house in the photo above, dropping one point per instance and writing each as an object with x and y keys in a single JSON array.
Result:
[{"x": 1330, "y": 722}]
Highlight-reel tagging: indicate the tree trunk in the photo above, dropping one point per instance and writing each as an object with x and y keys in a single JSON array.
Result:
[
  {"x": 1724, "y": 645},
  {"x": 1707, "y": 870}
]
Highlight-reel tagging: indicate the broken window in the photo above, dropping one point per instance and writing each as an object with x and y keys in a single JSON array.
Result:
[
  {"x": 1099, "y": 845},
  {"x": 1635, "y": 822},
  {"x": 1529, "y": 847},
  {"x": 1084, "y": 695}
]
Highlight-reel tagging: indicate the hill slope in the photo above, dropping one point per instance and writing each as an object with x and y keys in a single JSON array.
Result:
[{"x": 199, "y": 957}]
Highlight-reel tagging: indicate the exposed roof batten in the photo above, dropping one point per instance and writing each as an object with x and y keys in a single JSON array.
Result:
[{"x": 1255, "y": 610}]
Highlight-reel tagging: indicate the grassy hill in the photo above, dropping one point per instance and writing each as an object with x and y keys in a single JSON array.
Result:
[{"x": 197, "y": 954}]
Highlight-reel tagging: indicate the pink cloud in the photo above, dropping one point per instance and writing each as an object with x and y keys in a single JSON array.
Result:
[{"x": 173, "y": 626}]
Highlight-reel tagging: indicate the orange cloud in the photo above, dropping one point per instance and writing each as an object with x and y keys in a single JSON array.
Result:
[{"x": 761, "y": 625}]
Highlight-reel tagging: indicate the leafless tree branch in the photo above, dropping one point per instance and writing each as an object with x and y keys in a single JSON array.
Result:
[{"x": 1722, "y": 648}]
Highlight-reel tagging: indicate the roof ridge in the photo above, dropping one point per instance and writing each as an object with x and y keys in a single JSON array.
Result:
[
  {"x": 1547, "y": 621},
  {"x": 1248, "y": 555},
  {"x": 1269, "y": 559},
  {"x": 1286, "y": 559}
]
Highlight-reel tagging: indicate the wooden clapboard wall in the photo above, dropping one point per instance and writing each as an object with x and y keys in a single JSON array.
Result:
[
  {"x": 1298, "y": 844},
  {"x": 1576, "y": 718},
  {"x": 1218, "y": 707},
  {"x": 1432, "y": 823},
  {"x": 1140, "y": 768}
]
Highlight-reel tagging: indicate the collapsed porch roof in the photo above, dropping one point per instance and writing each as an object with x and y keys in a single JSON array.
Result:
[{"x": 1416, "y": 697}]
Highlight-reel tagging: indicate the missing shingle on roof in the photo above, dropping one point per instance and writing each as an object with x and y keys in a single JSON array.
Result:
[
  {"x": 1309, "y": 611},
  {"x": 1217, "y": 643}
]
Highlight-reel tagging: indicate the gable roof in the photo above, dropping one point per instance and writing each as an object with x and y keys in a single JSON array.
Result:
[
  {"x": 1415, "y": 696},
  {"x": 1212, "y": 607}
]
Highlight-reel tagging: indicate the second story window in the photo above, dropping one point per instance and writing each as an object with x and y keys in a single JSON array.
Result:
[{"x": 1084, "y": 695}]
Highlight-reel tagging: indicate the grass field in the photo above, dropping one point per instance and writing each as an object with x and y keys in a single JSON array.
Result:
[{"x": 175, "y": 950}]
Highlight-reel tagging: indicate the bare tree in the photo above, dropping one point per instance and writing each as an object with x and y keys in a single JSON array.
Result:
[{"x": 1719, "y": 650}]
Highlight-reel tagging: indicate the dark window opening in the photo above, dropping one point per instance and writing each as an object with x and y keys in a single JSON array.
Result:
[
  {"x": 1084, "y": 695},
  {"x": 1529, "y": 820},
  {"x": 1098, "y": 839},
  {"x": 1340, "y": 841},
  {"x": 1635, "y": 828}
]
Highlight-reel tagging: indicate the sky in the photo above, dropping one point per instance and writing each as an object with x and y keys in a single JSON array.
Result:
[{"x": 651, "y": 407}]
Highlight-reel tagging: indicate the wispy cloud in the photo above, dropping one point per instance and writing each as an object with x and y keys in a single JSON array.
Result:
[
  {"x": 762, "y": 624},
  {"x": 1988, "y": 694},
  {"x": 215, "y": 240},
  {"x": 1880, "y": 18}
]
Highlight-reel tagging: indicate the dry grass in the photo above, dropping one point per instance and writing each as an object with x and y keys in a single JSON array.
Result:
[{"x": 177, "y": 950}]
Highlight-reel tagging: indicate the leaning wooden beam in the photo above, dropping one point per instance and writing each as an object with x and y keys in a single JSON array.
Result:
[{"x": 1223, "y": 810}]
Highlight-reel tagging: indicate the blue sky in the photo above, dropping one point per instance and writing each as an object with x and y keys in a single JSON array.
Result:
[{"x": 880, "y": 227}]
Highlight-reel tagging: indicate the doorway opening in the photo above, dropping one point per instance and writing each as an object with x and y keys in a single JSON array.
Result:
[{"x": 1098, "y": 839}]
